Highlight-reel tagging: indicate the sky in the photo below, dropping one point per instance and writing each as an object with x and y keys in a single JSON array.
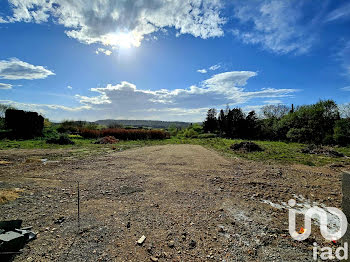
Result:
[{"x": 170, "y": 59}]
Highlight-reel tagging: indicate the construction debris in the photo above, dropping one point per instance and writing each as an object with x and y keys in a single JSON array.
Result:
[
  {"x": 141, "y": 240},
  {"x": 13, "y": 238},
  {"x": 246, "y": 147},
  {"x": 107, "y": 140},
  {"x": 321, "y": 150}
]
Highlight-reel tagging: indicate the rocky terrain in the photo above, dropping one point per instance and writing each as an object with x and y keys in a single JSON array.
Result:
[{"x": 190, "y": 203}]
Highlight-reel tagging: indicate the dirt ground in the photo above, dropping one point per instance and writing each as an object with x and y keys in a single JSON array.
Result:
[{"x": 190, "y": 203}]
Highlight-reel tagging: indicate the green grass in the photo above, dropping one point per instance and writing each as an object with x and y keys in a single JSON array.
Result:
[{"x": 281, "y": 152}]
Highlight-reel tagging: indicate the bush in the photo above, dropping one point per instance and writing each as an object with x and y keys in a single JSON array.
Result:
[
  {"x": 342, "y": 132},
  {"x": 61, "y": 140},
  {"x": 190, "y": 133},
  {"x": 207, "y": 135},
  {"x": 125, "y": 134},
  {"x": 246, "y": 146},
  {"x": 107, "y": 140},
  {"x": 300, "y": 135},
  {"x": 24, "y": 124}
]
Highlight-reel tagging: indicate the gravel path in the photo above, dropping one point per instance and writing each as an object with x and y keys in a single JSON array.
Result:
[{"x": 192, "y": 204}]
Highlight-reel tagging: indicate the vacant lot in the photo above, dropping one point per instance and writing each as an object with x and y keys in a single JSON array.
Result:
[{"x": 191, "y": 203}]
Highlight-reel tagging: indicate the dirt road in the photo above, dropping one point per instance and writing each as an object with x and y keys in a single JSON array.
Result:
[{"x": 191, "y": 203}]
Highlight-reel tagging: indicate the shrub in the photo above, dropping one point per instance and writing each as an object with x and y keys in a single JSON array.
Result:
[
  {"x": 207, "y": 135},
  {"x": 247, "y": 147},
  {"x": 61, "y": 140},
  {"x": 107, "y": 140},
  {"x": 190, "y": 133},
  {"x": 299, "y": 135},
  {"x": 24, "y": 124},
  {"x": 342, "y": 132},
  {"x": 124, "y": 134},
  {"x": 89, "y": 133}
]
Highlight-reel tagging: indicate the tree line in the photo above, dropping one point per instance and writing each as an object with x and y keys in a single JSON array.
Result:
[{"x": 320, "y": 123}]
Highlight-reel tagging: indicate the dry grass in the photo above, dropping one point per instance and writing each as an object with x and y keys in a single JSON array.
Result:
[{"x": 7, "y": 195}]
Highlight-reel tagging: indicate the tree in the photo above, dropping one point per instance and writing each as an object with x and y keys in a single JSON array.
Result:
[
  {"x": 3, "y": 109},
  {"x": 210, "y": 124},
  {"x": 345, "y": 110},
  {"x": 235, "y": 123},
  {"x": 311, "y": 123},
  {"x": 342, "y": 132},
  {"x": 222, "y": 122},
  {"x": 252, "y": 126},
  {"x": 275, "y": 111}
]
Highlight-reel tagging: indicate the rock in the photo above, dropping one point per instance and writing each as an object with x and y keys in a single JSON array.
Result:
[
  {"x": 141, "y": 240},
  {"x": 171, "y": 244},
  {"x": 154, "y": 259},
  {"x": 11, "y": 241},
  {"x": 60, "y": 220},
  {"x": 192, "y": 244},
  {"x": 221, "y": 230},
  {"x": 3, "y": 162},
  {"x": 10, "y": 225}
]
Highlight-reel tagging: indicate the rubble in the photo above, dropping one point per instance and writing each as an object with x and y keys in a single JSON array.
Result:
[
  {"x": 13, "y": 238},
  {"x": 141, "y": 240},
  {"x": 107, "y": 140},
  {"x": 246, "y": 147},
  {"x": 320, "y": 150}
]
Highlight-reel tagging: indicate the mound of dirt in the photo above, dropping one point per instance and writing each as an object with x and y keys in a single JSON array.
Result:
[
  {"x": 107, "y": 140},
  {"x": 247, "y": 147},
  {"x": 319, "y": 150}
]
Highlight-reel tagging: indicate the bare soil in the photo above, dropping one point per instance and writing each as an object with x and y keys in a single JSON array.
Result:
[{"x": 191, "y": 203}]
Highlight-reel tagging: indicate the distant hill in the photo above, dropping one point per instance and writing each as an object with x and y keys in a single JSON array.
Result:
[{"x": 143, "y": 123}]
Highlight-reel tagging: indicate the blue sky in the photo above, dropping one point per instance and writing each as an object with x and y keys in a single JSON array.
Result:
[{"x": 170, "y": 60}]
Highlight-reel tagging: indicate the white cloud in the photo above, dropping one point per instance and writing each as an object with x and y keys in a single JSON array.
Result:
[
  {"x": 3, "y": 21},
  {"x": 214, "y": 67},
  {"x": 47, "y": 109},
  {"x": 5, "y": 86},
  {"x": 342, "y": 12},
  {"x": 126, "y": 101},
  {"x": 278, "y": 26},
  {"x": 111, "y": 22},
  {"x": 69, "y": 87},
  {"x": 346, "y": 88},
  {"x": 343, "y": 57},
  {"x": 15, "y": 69},
  {"x": 273, "y": 102},
  {"x": 104, "y": 51},
  {"x": 202, "y": 71},
  {"x": 221, "y": 89}
]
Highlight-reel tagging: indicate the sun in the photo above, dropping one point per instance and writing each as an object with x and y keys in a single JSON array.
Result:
[{"x": 121, "y": 39}]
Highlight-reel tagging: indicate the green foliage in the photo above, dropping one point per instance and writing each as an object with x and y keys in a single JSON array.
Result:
[
  {"x": 311, "y": 123},
  {"x": 70, "y": 127},
  {"x": 210, "y": 124},
  {"x": 124, "y": 134},
  {"x": 342, "y": 132},
  {"x": 207, "y": 135},
  {"x": 173, "y": 130},
  {"x": 307, "y": 124},
  {"x": 190, "y": 133},
  {"x": 61, "y": 140}
]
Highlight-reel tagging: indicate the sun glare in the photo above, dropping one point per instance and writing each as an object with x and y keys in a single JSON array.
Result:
[{"x": 123, "y": 40}]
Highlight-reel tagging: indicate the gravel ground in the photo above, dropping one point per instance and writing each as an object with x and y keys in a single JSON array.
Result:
[{"x": 190, "y": 203}]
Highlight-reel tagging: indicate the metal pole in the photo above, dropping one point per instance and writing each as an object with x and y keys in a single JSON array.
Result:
[{"x": 78, "y": 207}]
